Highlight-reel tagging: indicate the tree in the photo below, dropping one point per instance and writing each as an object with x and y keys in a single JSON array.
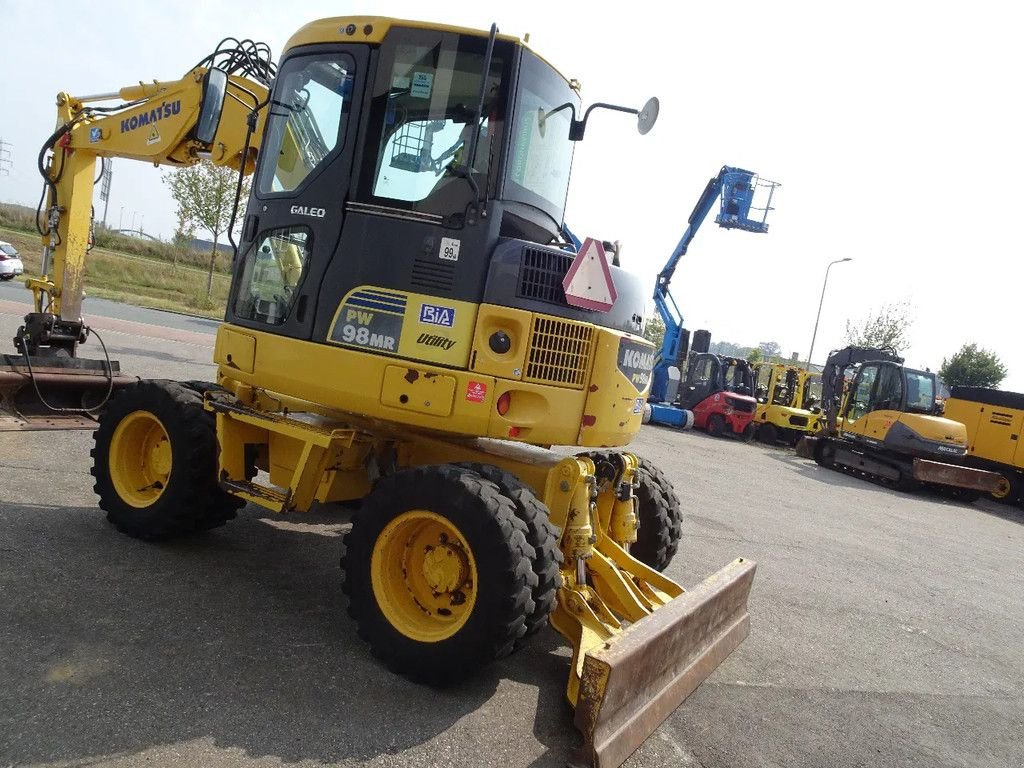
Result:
[
  {"x": 755, "y": 356},
  {"x": 769, "y": 350},
  {"x": 728, "y": 349},
  {"x": 205, "y": 194},
  {"x": 654, "y": 330},
  {"x": 972, "y": 367},
  {"x": 886, "y": 327}
]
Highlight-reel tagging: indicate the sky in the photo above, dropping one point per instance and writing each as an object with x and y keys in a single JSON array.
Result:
[{"x": 892, "y": 127}]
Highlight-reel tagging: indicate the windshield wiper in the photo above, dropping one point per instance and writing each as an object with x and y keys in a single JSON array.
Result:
[{"x": 466, "y": 171}]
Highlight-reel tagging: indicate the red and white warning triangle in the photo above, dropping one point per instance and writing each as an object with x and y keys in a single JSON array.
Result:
[{"x": 588, "y": 284}]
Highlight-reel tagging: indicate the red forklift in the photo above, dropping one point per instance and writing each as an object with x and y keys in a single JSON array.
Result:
[{"x": 719, "y": 391}]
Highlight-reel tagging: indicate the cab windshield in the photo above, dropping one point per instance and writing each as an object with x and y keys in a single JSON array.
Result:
[
  {"x": 423, "y": 118},
  {"x": 540, "y": 159}
]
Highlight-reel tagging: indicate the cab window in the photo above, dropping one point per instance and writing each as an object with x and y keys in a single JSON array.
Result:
[
  {"x": 889, "y": 393},
  {"x": 423, "y": 118},
  {"x": 307, "y": 119},
  {"x": 271, "y": 275},
  {"x": 701, "y": 371},
  {"x": 859, "y": 398}
]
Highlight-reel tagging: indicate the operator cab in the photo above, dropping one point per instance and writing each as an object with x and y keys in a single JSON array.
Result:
[
  {"x": 886, "y": 386},
  {"x": 709, "y": 374},
  {"x": 408, "y": 161}
]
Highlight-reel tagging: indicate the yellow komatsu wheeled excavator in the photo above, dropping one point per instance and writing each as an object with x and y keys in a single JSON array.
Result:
[
  {"x": 402, "y": 329},
  {"x": 881, "y": 420}
]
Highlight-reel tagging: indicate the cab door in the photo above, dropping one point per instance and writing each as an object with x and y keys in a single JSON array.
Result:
[
  {"x": 296, "y": 210},
  {"x": 886, "y": 402},
  {"x": 700, "y": 380},
  {"x": 858, "y": 401}
]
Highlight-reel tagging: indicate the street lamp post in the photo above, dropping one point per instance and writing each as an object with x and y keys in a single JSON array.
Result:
[{"x": 820, "y": 303}]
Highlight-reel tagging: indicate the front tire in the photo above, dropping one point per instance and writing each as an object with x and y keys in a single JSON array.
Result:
[
  {"x": 658, "y": 509},
  {"x": 541, "y": 535},
  {"x": 768, "y": 434},
  {"x": 438, "y": 573},
  {"x": 155, "y": 463},
  {"x": 716, "y": 425}
]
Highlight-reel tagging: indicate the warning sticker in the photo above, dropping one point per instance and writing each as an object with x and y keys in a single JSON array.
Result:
[
  {"x": 476, "y": 392},
  {"x": 422, "y": 83}
]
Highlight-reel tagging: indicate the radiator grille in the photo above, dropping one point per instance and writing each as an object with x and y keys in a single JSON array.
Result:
[
  {"x": 559, "y": 352},
  {"x": 541, "y": 275}
]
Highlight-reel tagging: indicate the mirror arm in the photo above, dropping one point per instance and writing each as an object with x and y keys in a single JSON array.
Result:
[{"x": 580, "y": 126}]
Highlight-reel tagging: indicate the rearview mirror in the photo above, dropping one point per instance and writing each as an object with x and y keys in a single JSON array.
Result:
[
  {"x": 648, "y": 116},
  {"x": 215, "y": 85}
]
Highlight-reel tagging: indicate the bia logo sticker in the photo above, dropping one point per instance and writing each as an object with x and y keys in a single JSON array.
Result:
[
  {"x": 305, "y": 210},
  {"x": 433, "y": 314}
]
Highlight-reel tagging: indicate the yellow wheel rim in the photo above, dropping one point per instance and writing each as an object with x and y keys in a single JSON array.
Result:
[
  {"x": 1004, "y": 490},
  {"x": 424, "y": 576},
  {"x": 140, "y": 459}
]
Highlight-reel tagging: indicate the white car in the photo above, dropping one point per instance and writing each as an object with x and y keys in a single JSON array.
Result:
[{"x": 10, "y": 262}]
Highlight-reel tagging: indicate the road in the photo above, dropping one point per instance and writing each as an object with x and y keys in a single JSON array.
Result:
[{"x": 886, "y": 627}]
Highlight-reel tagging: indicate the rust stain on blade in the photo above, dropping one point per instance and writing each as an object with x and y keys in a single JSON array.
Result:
[{"x": 631, "y": 685}]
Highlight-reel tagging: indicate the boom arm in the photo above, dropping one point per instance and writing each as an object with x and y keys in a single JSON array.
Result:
[
  {"x": 738, "y": 185},
  {"x": 208, "y": 114}
]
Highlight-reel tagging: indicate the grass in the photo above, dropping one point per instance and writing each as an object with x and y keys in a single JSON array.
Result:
[{"x": 147, "y": 274}]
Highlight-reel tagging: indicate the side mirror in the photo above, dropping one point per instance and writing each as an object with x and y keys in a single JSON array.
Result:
[
  {"x": 215, "y": 86},
  {"x": 648, "y": 116}
]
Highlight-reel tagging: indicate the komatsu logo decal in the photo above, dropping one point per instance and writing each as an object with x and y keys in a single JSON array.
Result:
[
  {"x": 166, "y": 109},
  {"x": 636, "y": 361}
]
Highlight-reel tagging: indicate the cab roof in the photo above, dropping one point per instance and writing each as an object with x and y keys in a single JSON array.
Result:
[{"x": 373, "y": 29}]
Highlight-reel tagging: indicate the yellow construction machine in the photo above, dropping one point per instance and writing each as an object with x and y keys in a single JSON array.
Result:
[
  {"x": 994, "y": 420},
  {"x": 404, "y": 328},
  {"x": 788, "y": 403},
  {"x": 881, "y": 421}
]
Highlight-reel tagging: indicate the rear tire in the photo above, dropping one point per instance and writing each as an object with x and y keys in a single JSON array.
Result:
[
  {"x": 438, "y": 573},
  {"x": 768, "y": 434},
  {"x": 541, "y": 535},
  {"x": 716, "y": 425},
  {"x": 155, "y": 463}
]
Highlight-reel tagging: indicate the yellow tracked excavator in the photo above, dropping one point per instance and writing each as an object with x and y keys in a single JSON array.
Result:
[{"x": 407, "y": 326}]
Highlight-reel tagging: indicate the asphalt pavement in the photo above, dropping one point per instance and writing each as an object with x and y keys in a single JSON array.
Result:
[{"x": 886, "y": 626}]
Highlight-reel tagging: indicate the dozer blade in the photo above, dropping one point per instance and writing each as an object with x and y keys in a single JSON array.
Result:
[
  {"x": 959, "y": 477},
  {"x": 633, "y": 681},
  {"x": 805, "y": 447},
  {"x": 54, "y": 393}
]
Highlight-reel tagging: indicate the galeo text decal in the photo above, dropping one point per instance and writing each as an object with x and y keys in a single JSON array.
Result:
[
  {"x": 636, "y": 361},
  {"x": 166, "y": 109},
  {"x": 305, "y": 210}
]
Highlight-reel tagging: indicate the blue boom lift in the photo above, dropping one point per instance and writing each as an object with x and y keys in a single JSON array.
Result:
[{"x": 735, "y": 187}]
